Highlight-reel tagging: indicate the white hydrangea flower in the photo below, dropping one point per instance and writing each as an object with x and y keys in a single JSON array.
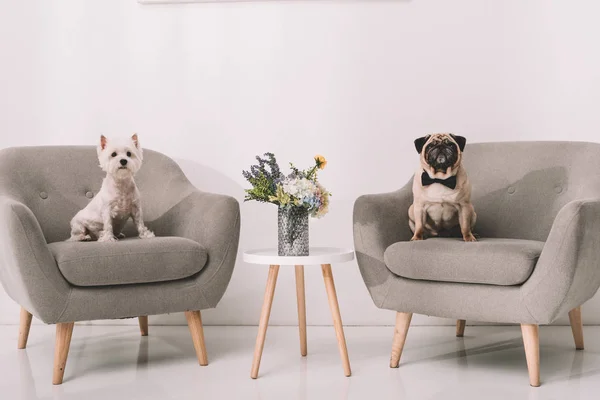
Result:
[{"x": 299, "y": 188}]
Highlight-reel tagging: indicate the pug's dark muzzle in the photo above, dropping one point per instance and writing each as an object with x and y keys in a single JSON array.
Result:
[{"x": 441, "y": 156}]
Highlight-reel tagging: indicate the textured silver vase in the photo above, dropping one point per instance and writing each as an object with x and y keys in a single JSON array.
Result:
[{"x": 293, "y": 231}]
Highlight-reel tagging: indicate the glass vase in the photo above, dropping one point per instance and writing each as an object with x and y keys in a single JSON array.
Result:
[{"x": 292, "y": 231}]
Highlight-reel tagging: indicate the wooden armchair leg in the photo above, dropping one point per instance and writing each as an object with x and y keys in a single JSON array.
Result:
[
  {"x": 64, "y": 331},
  {"x": 577, "y": 327},
  {"x": 460, "y": 327},
  {"x": 24, "y": 326},
  {"x": 531, "y": 340},
  {"x": 400, "y": 332},
  {"x": 194, "y": 320},
  {"x": 143, "y": 320}
]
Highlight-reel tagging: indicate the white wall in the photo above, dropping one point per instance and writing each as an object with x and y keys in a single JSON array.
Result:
[{"x": 214, "y": 84}]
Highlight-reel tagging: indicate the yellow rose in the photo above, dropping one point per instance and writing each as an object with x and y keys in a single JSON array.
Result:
[{"x": 321, "y": 161}]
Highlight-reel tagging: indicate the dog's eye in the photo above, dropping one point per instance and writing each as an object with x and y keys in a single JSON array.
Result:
[
  {"x": 114, "y": 154},
  {"x": 128, "y": 154}
]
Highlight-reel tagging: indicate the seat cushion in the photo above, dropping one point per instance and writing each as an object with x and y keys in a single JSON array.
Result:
[
  {"x": 502, "y": 262},
  {"x": 128, "y": 261}
]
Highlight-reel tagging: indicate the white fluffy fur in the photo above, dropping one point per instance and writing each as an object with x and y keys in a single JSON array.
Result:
[{"x": 118, "y": 199}]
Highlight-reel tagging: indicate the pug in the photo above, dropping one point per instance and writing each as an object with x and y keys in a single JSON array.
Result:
[{"x": 441, "y": 190}]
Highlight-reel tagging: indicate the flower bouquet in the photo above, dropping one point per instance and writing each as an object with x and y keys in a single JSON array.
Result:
[{"x": 298, "y": 196}]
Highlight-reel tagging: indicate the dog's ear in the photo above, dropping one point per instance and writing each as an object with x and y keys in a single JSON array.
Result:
[
  {"x": 102, "y": 142},
  {"x": 460, "y": 141},
  {"x": 420, "y": 143},
  {"x": 135, "y": 141}
]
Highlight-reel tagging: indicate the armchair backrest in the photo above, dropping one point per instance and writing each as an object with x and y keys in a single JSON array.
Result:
[
  {"x": 519, "y": 187},
  {"x": 55, "y": 182}
]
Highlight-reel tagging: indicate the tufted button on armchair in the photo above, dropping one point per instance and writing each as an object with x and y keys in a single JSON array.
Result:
[
  {"x": 538, "y": 216},
  {"x": 187, "y": 267}
]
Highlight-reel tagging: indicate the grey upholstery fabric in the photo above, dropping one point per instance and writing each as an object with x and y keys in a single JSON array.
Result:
[
  {"x": 128, "y": 261},
  {"x": 503, "y": 262},
  {"x": 37, "y": 203},
  {"x": 525, "y": 190}
]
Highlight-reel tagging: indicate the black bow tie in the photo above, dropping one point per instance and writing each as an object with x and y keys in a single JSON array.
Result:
[{"x": 449, "y": 182}]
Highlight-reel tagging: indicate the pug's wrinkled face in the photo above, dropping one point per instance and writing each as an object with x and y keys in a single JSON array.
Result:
[{"x": 441, "y": 153}]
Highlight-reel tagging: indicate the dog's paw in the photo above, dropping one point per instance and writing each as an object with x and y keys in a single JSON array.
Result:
[
  {"x": 416, "y": 237},
  {"x": 79, "y": 238},
  {"x": 107, "y": 237},
  {"x": 469, "y": 238},
  {"x": 146, "y": 234}
]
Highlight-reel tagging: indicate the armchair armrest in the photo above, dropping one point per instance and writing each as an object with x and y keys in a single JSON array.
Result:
[
  {"x": 28, "y": 270},
  {"x": 379, "y": 221},
  {"x": 212, "y": 220},
  {"x": 568, "y": 271}
]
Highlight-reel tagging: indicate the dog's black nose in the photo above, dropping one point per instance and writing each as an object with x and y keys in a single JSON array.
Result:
[
  {"x": 123, "y": 162},
  {"x": 440, "y": 159}
]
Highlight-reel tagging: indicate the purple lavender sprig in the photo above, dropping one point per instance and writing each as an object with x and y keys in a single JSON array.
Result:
[{"x": 264, "y": 178}]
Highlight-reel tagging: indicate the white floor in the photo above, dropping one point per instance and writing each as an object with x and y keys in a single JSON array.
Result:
[{"x": 110, "y": 362}]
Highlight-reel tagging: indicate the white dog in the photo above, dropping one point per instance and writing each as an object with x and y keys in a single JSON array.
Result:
[{"x": 118, "y": 199}]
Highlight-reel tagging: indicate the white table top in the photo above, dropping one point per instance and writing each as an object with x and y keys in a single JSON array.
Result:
[{"x": 318, "y": 255}]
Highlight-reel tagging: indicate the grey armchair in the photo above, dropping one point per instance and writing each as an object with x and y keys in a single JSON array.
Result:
[
  {"x": 538, "y": 208},
  {"x": 187, "y": 267}
]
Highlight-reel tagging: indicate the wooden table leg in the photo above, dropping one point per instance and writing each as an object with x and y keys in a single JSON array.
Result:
[
  {"x": 300, "y": 294},
  {"x": 337, "y": 318},
  {"x": 264, "y": 319}
]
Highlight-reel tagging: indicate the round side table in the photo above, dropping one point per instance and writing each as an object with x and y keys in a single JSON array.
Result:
[{"x": 324, "y": 256}]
